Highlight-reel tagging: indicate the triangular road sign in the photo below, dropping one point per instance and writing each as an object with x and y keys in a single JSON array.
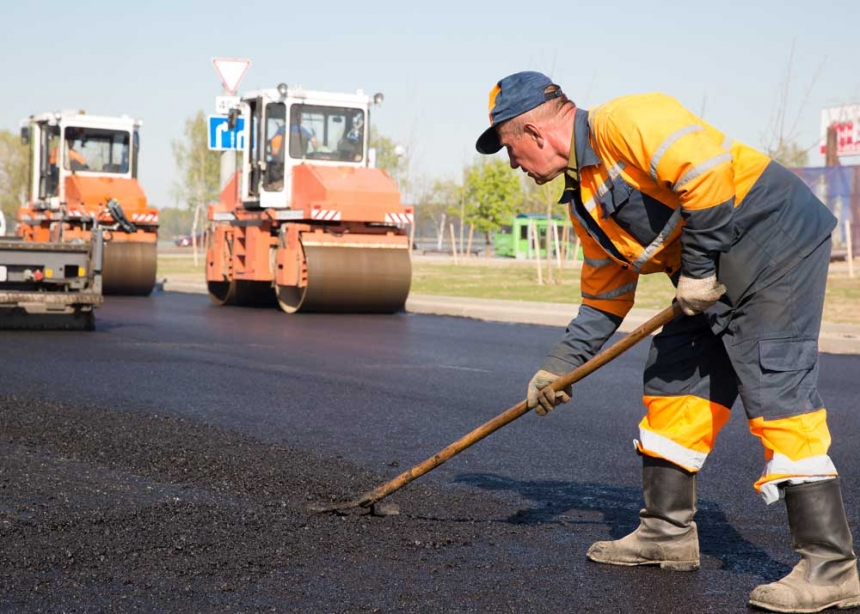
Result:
[{"x": 231, "y": 71}]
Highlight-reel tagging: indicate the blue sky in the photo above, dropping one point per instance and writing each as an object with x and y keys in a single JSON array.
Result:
[{"x": 434, "y": 61}]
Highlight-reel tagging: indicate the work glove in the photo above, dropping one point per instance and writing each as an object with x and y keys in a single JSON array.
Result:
[
  {"x": 696, "y": 295},
  {"x": 541, "y": 397}
]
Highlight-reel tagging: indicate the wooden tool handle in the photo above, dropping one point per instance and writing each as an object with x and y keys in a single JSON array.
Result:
[{"x": 600, "y": 359}]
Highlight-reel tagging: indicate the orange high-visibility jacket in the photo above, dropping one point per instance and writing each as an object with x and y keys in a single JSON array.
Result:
[
  {"x": 277, "y": 142},
  {"x": 661, "y": 190},
  {"x": 73, "y": 156}
]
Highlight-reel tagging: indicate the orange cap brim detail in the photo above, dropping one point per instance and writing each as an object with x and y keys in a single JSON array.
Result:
[{"x": 493, "y": 93}]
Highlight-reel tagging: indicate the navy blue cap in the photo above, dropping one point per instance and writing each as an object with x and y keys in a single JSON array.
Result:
[{"x": 512, "y": 96}]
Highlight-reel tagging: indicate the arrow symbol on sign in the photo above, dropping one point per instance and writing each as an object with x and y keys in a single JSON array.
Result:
[{"x": 220, "y": 129}]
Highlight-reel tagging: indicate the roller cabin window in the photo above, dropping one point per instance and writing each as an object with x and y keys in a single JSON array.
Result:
[
  {"x": 51, "y": 173},
  {"x": 276, "y": 120},
  {"x": 97, "y": 150},
  {"x": 326, "y": 133}
]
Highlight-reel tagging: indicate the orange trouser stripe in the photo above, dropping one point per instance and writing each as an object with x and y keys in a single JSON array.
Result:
[
  {"x": 796, "y": 438},
  {"x": 794, "y": 448},
  {"x": 689, "y": 425}
]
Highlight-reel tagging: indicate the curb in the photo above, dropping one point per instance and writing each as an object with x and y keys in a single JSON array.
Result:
[{"x": 833, "y": 339}]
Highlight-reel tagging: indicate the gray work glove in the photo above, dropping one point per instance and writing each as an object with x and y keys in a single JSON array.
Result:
[
  {"x": 696, "y": 295},
  {"x": 541, "y": 397}
]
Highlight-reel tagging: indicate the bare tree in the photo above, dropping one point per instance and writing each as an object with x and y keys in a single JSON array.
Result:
[{"x": 780, "y": 140}]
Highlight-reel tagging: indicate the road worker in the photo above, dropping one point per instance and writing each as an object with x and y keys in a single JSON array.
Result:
[
  {"x": 276, "y": 144},
  {"x": 75, "y": 160},
  {"x": 652, "y": 188},
  {"x": 274, "y": 179},
  {"x": 300, "y": 137}
]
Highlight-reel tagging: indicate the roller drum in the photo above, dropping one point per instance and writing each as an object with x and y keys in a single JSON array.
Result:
[
  {"x": 242, "y": 293},
  {"x": 129, "y": 268},
  {"x": 351, "y": 280},
  {"x": 222, "y": 293}
]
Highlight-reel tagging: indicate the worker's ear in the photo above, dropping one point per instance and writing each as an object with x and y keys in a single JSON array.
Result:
[{"x": 534, "y": 132}]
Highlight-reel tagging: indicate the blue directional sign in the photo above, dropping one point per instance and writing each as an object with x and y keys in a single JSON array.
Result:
[{"x": 221, "y": 137}]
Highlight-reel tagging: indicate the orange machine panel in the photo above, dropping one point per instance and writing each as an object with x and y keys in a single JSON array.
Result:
[
  {"x": 359, "y": 194},
  {"x": 95, "y": 191}
]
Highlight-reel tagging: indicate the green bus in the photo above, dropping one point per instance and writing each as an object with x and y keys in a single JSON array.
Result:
[{"x": 515, "y": 240}]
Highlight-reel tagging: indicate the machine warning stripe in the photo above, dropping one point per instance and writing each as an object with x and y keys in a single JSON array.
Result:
[
  {"x": 144, "y": 217},
  {"x": 398, "y": 218},
  {"x": 339, "y": 245},
  {"x": 325, "y": 214}
]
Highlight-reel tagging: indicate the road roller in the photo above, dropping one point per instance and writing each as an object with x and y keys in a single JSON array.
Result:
[
  {"x": 83, "y": 174},
  {"x": 307, "y": 222}
]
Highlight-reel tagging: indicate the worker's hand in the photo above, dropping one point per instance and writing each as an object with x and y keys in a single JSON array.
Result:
[
  {"x": 541, "y": 397},
  {"x": 696, "y": 295}
]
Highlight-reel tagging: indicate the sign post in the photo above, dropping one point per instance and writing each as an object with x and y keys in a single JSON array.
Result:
[{"x": 230, "y": 71}]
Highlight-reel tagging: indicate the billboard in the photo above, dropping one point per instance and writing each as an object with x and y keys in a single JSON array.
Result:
[{"x": 846, "y": 120}]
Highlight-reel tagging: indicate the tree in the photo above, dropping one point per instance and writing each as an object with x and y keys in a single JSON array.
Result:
[
  {"x": 540, "y": 198},
  {"x": 14, "y": 174},
  {"x": 492, "y": 194},
  {"x": 392, "y": 158},
  {"x": 433, "y": 205},
  {"x": 780, "y": 142},
  {"x": 199, "y": 169},
  {"x": 544, "y": 199},
  {"x": 789, "y": 153},
  {"x": 173, "y": 221}
]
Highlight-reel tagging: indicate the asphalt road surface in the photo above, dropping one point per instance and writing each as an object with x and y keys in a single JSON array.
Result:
[{"x": 166, "y": 461}]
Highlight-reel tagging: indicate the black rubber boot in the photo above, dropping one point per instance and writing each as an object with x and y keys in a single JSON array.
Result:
[
  {"x": 666, "y": 535},
  {"x": 826, "y": 576}
]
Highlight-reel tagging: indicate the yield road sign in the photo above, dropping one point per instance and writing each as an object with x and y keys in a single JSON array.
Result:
[
  {"x": 231, "y": 71},
  {"x": 222, "y": 138}
]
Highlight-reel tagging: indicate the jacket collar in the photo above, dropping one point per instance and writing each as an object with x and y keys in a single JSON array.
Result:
[
  {"x": 581, "y": 154},
  {"x": 580, "y": 143}
]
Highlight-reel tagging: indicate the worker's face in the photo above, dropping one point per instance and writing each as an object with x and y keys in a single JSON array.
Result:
[{"x": 530, "y": 151}]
